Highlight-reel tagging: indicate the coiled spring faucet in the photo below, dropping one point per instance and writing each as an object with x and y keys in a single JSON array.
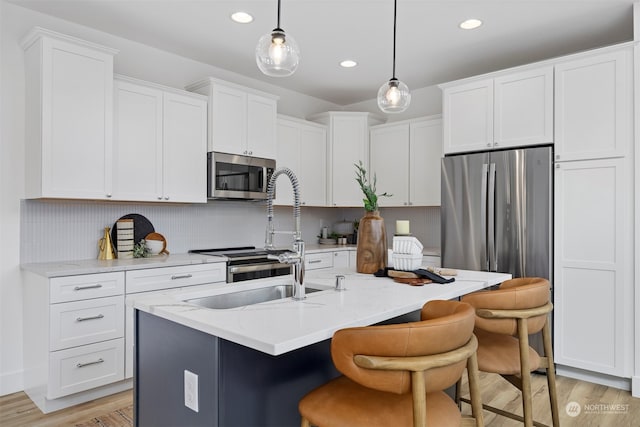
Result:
[{"x": 296, "y": 258}]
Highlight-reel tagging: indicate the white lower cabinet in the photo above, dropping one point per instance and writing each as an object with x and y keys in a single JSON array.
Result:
[
  {"x": 150, "y": 281},
  {"x": 73, "y": 335},
  {"x": 593, "y": 286},
  {"x": 331, "y": 259}
]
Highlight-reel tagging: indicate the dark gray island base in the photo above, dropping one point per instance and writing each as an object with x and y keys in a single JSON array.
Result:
[{"x": 237, "y": 386}]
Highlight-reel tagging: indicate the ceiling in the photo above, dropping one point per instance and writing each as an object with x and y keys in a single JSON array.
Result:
[{"x": 431, "y": 49}]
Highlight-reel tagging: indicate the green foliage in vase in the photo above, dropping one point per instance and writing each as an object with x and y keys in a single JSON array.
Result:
[{"x": 368, "y": 188}]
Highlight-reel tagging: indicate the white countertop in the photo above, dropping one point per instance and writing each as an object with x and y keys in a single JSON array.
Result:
[
  {"x": 91, "y": 266},
  {"x": 280, "y": 326}
]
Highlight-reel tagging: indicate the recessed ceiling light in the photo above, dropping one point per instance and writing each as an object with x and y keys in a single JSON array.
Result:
[
  {"x": 470, "y": 24},
  {"x": 348, "y": 63},
  {"x": 241, "y": 17}
]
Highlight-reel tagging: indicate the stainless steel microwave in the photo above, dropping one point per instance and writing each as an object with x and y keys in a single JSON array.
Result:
[{"x": 231, "y": 176}]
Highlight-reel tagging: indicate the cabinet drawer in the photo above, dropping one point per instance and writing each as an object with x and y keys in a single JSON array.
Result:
[
  {"x": 174, "y": 277},
  {"x": 319, "y": 260},
  {"x": 82, "y": 368},
  {"x": 86, "y": 286},
  {"x": 84, "y": 322}
]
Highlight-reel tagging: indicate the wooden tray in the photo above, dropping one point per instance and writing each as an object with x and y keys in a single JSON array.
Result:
[{"x": 417, "y": 281}]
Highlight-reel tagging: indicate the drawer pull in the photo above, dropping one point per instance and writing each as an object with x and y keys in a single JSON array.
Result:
[
  {"x": 82, "y": 288},
  {"x": 314, "y": 261},
  {"x": 95, "y": 362},
  {"x": 183, "y": 276},
  {"x": 82, "y": 319}
]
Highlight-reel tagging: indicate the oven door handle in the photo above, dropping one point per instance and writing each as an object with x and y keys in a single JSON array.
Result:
[{"x": 256, "y": 267}]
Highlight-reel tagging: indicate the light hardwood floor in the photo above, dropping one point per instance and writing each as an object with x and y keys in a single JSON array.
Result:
[{"x": 16, "y": 410}]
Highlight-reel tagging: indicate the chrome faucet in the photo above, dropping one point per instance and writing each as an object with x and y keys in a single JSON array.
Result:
[{"x": 296, "y": 258}]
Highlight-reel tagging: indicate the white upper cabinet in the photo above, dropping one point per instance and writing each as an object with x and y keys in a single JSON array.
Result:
[
  {"x": 160, "y": 143},
  {"x": 348, "y": 135},
  {"x": 302, "y": 147},
  {"x": 425, "y": 157},
  {"x": 69, "y": 104},
  {"x": 405, "y": 157},
  {"x": 468, "y": 116},
  {"x": 510, "y": 110},
  {"x": 389, "y": 163},
  {"x": 523, "y": 108},
  {"x": 594, "y": 111},
  {"x": 241, "y": 120}
]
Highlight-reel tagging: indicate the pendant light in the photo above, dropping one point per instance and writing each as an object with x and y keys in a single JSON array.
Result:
[
  {"x": 277, "y": 54},
  {"x": 394, "y": 95}
]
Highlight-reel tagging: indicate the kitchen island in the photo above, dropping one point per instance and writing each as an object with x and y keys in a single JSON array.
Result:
[{"x": 254, "y": 363}]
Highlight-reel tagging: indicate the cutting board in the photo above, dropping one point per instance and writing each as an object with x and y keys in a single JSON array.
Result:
[
  {"x": 413, "y": 281},
  {"x": 141, "y": 227}
]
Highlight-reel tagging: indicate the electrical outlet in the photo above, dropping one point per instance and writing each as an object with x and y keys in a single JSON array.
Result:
[{"x": 191, "y": 390}]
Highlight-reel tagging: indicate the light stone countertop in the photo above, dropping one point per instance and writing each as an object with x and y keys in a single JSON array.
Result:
[
  {"x": 277, "y": 327},
  {"x": 92, "y": 266}
]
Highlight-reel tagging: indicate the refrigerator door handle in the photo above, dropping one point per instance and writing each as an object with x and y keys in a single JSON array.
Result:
[
  {"x": 493, "y": 256},
  {"x": 483, "y": 218}
]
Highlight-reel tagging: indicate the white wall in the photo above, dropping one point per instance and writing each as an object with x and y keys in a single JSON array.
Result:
[{"x": 69, "y": 229}]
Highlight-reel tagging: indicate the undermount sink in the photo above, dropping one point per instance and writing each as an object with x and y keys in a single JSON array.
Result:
[{"x": 248, "y": 297}]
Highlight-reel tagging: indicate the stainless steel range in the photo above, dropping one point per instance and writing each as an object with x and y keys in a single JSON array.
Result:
[{"x": 247, "y": 262}]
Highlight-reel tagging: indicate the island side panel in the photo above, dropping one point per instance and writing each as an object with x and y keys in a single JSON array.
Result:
[
  {"x": 163, "y": 351},
  {"x": 258, "y": 389}
]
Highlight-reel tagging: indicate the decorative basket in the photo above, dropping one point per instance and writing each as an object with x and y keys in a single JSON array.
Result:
[
  {"x": 407, "y": 262},
  {"x": 407, "y": 245}
]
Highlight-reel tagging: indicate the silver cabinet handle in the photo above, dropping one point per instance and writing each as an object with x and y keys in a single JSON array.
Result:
[
  {"x": 314, "y": 261},
  {"x": 95, "y": 362},
  {"x": 182, "y": 276},
  {"x": 82, "y": 319},
  {"x": 108, "y": 195},
  {"x": 166, "y": 197},
  {"x": 83, "y": 288}
]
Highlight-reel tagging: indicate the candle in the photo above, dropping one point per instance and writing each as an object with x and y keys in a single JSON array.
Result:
[{"x": 402, "y": 227}]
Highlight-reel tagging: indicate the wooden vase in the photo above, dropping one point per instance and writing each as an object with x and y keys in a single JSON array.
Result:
[{"x": 372, "y": 244}]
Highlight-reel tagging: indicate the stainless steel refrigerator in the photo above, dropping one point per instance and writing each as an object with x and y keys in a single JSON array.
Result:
[{"x": 497, "y": 210}]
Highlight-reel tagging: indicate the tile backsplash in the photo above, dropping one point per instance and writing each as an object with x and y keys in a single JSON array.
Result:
[{"x": 69, "y": 230}]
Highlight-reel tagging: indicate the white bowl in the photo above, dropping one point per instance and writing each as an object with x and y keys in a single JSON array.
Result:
[{"x": 154, "y": 246}]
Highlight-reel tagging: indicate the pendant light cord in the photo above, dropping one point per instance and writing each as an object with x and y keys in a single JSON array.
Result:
[
  {"x": 395, "y": 6},
  {"x": 278, "y": 26}
]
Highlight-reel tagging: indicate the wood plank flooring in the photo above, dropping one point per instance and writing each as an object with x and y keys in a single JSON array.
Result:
[{"x": 17, "y": 410}]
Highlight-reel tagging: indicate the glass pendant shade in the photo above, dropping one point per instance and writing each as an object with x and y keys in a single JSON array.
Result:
[
  {"x": 277, "y": 54},
  {"x": 394, "y": 96}
]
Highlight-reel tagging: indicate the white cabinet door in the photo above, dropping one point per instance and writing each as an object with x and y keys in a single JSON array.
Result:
[
  {"x": 592, "y": 280},
  {"x": 69, "y": 114},
  {"x": 160, "y": 144},
  {"x": 349, "y": 141},
  {"x": 302, "y": 147},
  {"x": 137, "y": 142},
  {"x": 468, "y": 117},
  {"x": 425, "y": 154},
  {"x": 593, "y": 111},
  {"x": 389, "y": 163},
  {"x": 228, "y": 120},
  {"x": 313, "y": 165},
  {"x": 341, "y": 259},
  {"x": 261, "y": 127},
  {"x": 184, "y": 149},
  {"x": 523, "y": 110}
]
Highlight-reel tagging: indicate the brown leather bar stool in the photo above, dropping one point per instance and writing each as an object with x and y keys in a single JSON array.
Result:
[
  {"x": 504, "y": 319},
  {"x": 394, "y": 375}
]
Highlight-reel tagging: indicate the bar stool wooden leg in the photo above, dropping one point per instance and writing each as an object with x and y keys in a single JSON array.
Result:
[
  {"x": 305, "y": 422},
  {"x": 551, "y": 374},
  {"x": 525, "y": 373},
  {"x": 419, "y": 399},
  {"x": 474, "y": 390}
]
